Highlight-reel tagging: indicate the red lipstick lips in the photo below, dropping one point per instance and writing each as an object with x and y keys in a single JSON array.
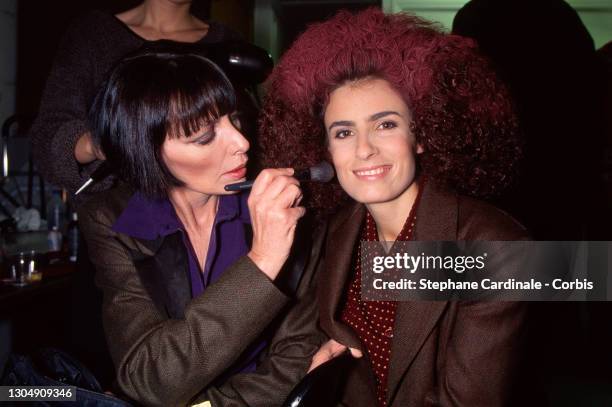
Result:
[{"x": 238, "y": 172}]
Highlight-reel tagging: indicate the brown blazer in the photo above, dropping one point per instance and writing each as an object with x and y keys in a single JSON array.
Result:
[
  {"x": 443, "y": 353},
  {"x": 168, "y": 348}
]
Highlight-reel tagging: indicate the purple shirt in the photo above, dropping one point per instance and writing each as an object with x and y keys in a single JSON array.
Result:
[{"x": 150, "y": 219}]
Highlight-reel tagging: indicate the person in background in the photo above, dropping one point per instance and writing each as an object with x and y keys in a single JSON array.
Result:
[
  {"x": 547, "y": 58},
  {"x": 549, "y": 64},
  {"x": 414, "y": 121},
  {"x": 189, "y": 271}
]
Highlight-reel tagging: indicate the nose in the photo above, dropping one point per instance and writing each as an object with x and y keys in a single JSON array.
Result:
[
  {"x": 364, "y": 148},
  {"x": 239, "y": 143}
]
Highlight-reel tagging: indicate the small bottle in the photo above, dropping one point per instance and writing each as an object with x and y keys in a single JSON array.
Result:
[
  {"x": 54, "y": 240},
  {"x": 73, "y": 238},
  {"x": 56, "y": 211}
]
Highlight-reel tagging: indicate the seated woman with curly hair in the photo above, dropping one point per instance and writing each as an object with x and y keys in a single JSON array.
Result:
[{"x": 414, "y": 121}]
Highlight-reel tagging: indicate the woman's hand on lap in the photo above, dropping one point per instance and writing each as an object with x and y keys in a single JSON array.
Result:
[{"x": 330, "y": 350}]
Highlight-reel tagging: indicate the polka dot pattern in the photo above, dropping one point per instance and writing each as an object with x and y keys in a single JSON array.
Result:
[{"x": 373, "y": 321}]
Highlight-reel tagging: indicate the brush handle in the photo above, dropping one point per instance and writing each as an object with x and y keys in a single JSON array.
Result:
[{"x": 239, "y": 186}]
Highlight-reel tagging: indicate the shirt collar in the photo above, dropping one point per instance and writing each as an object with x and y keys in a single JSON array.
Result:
[{"x": 151, "y": 218}]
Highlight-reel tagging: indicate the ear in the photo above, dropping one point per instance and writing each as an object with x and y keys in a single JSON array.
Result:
[{"x": 419, "y": 149}]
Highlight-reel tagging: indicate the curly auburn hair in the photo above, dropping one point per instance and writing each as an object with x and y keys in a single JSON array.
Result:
[{"x": 462, "y": 113}]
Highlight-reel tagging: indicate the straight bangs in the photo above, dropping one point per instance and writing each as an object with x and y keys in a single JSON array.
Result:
[
  {"x": 200, "y": 94},
  {"x": 149, "y": 97}
]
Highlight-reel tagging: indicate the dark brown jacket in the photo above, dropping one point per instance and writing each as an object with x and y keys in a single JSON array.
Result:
[
  {"x": 167, "y": 348},
  {"x": 443, "y": 353}
]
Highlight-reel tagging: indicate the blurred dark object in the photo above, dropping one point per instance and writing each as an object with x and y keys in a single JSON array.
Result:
[
  {"x": 52, "y": 367},
  {"x": 7, "y": 226},
  {"x": 245, "y": 63},
  {"x": 64, "y": 368},
  {"x": 322, "y": 387},
  {"x": 547, "y": 57},
  {"x": 599, "y": 314},
  {"x": 13, "y": 133},
  {"x": 73, "y": 237},
  {"x": 605, "y": 56}
]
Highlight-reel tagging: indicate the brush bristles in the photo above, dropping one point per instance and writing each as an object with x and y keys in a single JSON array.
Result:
[{"x": 322, "y": 172}]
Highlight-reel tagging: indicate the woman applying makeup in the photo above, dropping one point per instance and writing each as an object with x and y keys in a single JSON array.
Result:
[
  {"x": 61, "y": 136},
  {"x": 190, "y": 271}
]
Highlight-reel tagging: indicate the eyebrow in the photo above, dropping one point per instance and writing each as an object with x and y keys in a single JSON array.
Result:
[
  {"x": 372, "y": 118},
  {"x": 379, "y": 115}
]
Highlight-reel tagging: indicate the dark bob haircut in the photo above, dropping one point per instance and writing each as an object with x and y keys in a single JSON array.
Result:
[
  {"x": 462, "y": 113},
  {"x": 150, "y": 96}
]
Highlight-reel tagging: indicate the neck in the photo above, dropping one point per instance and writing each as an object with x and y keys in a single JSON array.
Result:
[
  {"x": 164, "y": 16},
  {"x": 195, "y": 210},
  {"x": 390, "y": 216}
]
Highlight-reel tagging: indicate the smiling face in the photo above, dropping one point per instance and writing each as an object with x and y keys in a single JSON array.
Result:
[
  {"x": 209, "y": 159},
  {"x": 370, "y": 141}
]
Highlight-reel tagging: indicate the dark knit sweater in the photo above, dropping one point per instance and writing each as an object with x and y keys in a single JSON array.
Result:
[{"x": 91, "y": 46}]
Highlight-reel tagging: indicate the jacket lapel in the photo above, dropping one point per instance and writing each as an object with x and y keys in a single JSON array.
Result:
[
  {"x": 414, "y": 322},
  {"x": 437, "y": 216},
  {"x": 165, "y": 274},
  {"x": 342, "y": 239}
]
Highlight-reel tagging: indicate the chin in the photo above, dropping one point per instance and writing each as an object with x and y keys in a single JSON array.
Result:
[{"x": 373, "y": 197}]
